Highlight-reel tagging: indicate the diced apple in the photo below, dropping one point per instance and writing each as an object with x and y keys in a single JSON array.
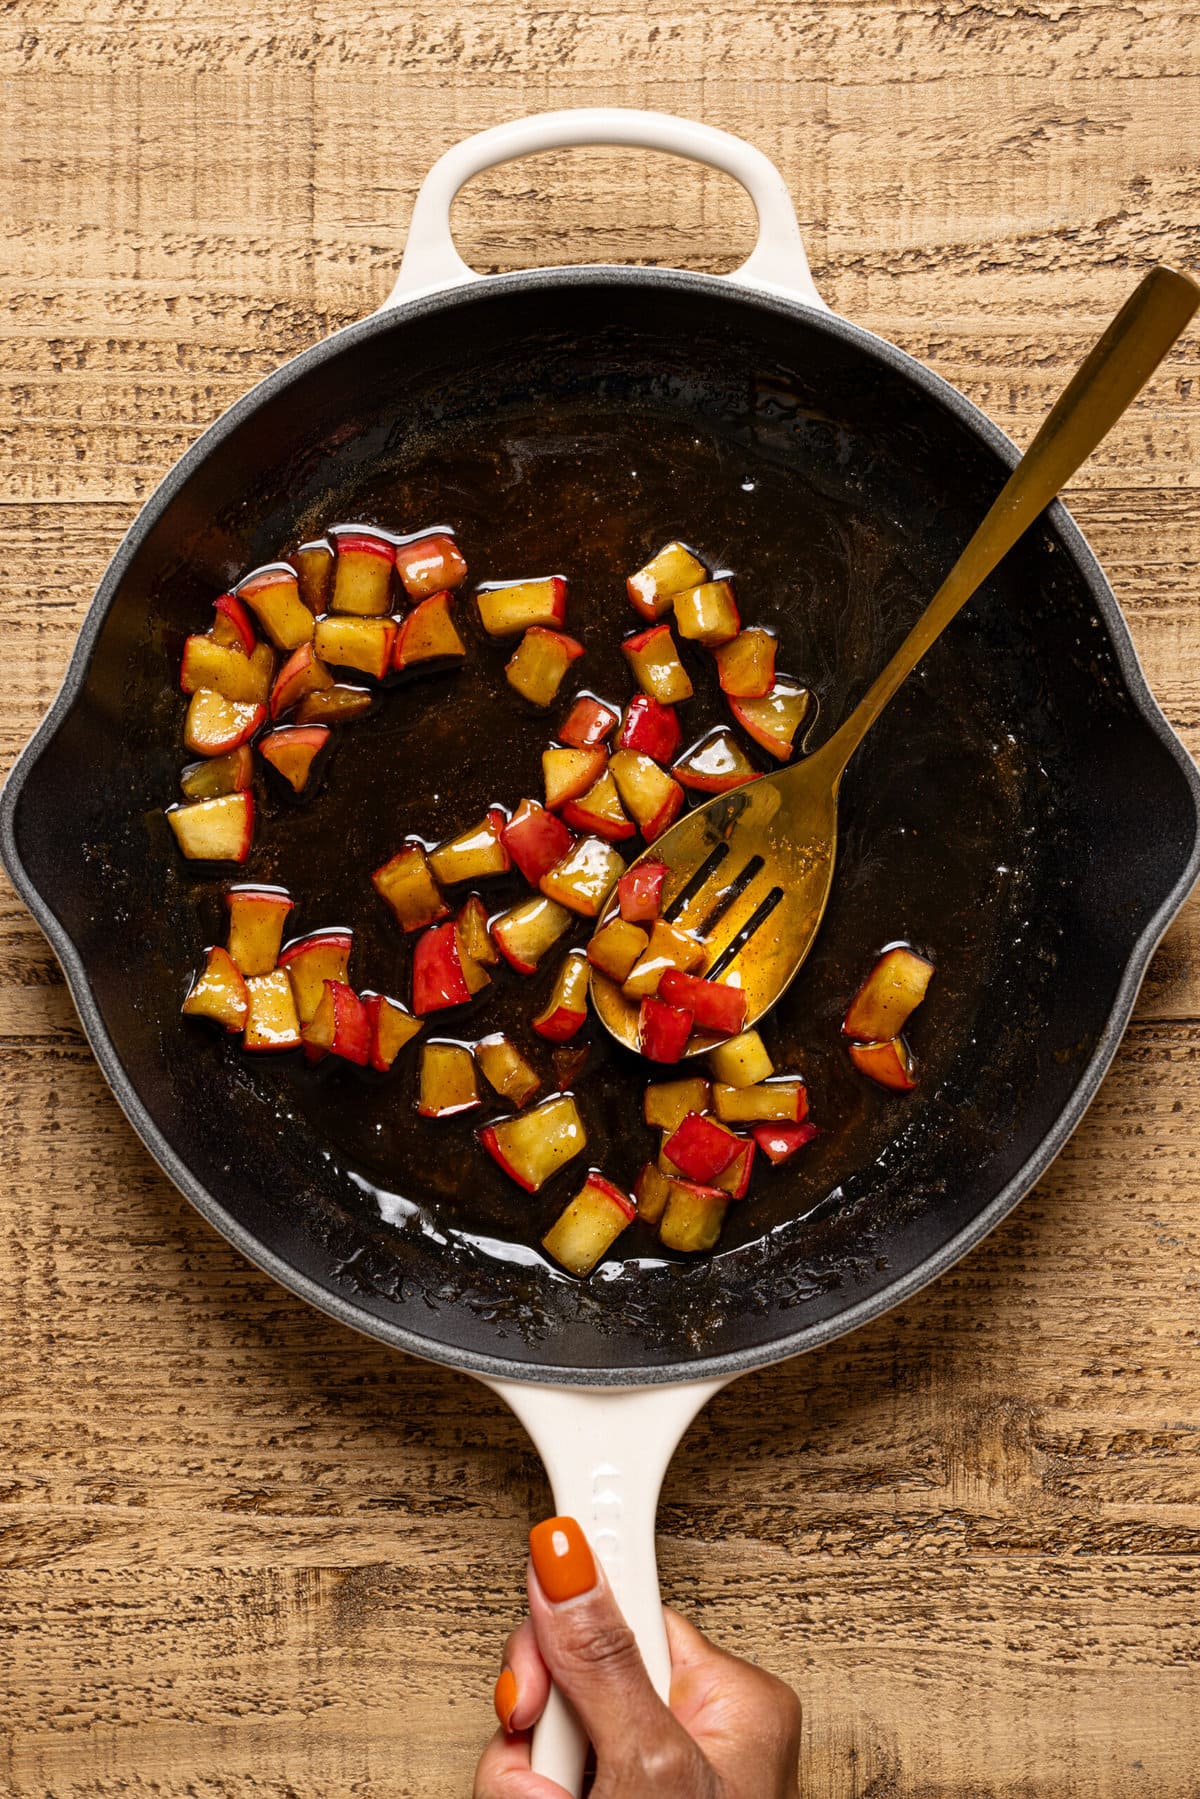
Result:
[
  {"x": 301, "y": 674},
  {"x": 894, "y": 988},
  {"x": 666, "y": 1104},
  {"x": 474, "y": 854},
  {"x": 448, "y": 1084},
  {"x": 707, "y": 614},
  {"x": 767, "y": 1102},
  {"x": 651, "y": 1190},
  {"x": 406, "y": 882},
  {"x": 599, "y": 810},
  {"x": 227, "y": 671},
  {"x": 392, "y": 1026},
  {"x": 537, "y": 1144},
  {"x": 654, "y": 798},
  {"x": 693, "y": 1216},
  {"x": 313, "y": 563},
  {"x": 589, "y": 1226},
  {"x": 341, "y": 1025},
  {"x": 311, "y": 961},
  {"x": 474, "y": 936},
  {"x": 273, "y": 595},
  {"x": 430, "y": 564},
  {"x": 335, "y": 705},
  {"x": 640, "y": 891},
  {"x": 538, "y": 665},
  {"x": 656, "y": 666},
  {"x": 362, "y": 574},
  {"x": 508, "y": 607},
  {"x": 292, "y": 751},
  {"x": 650, "y": 729},
  {"x": 742, "y": 1061},
  {"x": 585, "y": 877},
  {"x": 615, "y": 948},
  {"x": 536, "y": 840},
  {"x": 505, "y": 1068},
  {"x": 663, "y": 1030},
  {"x": 233, "y": 625},
  {"x": 219, "y": 830},
  {"x": 257, "y": 916},
  {"x": 701, "y": 1148},
  {"x": 774, "y": 720},
  {"x": 209, "y": 779},
  {"x": 215, "y": 725},
  {"x": 779, "y": 1141},
  {"x": 715, "y": 1005},
  {"x": 669, "y": 947},
  {"x": 715, "y": 764},
  {"x": 587, "y": 723},
  {"x": 672, "y": 571},
  {"x": 428, "y": 634},
  {"x": 271, "y": 1021},
  {"x": 735, "y": 1180},
  {"x": 569, "y": 773},
  {"x": 746, "y": 664},
  {"x": 888, "y": 1064},
  {"x": 525, "y": 932},
  {"x": 362, "y": 643},
  {"x": 439, "y": 974},
  {"x": 219, "y": 992},
  {"x": 567, "y": 1007},
  {"x": 570, "y": 1060}
]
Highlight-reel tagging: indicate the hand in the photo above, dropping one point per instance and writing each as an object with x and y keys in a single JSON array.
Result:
[{"x": 731, "y": 1731}]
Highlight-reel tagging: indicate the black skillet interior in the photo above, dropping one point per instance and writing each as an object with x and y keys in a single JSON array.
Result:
[{"x": 1021, "y": 810}]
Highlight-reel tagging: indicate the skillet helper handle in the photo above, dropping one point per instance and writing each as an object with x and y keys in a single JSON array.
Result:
[
  {"x": 606, "y": 1451},
  {"x": 777, "y": 262}
]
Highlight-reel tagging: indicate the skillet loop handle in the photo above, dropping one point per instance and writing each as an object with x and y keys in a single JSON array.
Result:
[{"x": 777, "y": 263}]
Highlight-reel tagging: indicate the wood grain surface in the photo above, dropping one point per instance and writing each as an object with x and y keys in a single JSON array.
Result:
[{"x": 245, "y": 1552}]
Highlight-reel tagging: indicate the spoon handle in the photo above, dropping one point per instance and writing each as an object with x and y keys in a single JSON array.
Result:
[{"x": 1086, "y": 410}]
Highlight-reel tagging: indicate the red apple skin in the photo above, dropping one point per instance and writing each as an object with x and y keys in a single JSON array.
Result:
[
  {"x": 352, "y": 543},
  {"x": 561, "y": 1025},
  {"x": 429, "y": 564},
  {"x": 351, "y": 1025},
  {"x": 587, "y": 723},
  {"x": 650, "y": 728},
  {"x": 230, "y": 608},
  {"x": 742, "y": 1187},
  {"x": 612, "y": 830},
  {"x": 714, "y": 1006},
  {"x": 639, "y": 891},
  {"x": 702, "y": 1149},
  {"x": 663, "y": 1030},
  {"x": 536, "y": 840},
  {"x": 779, "y": 1141},
  {"x": 605, "y": 1186},
  {"x": 487, "y": 1137},
  {"x": 887, "y": 1064},
  {"x": 293, "y": 679},
  {"x": 437, "y": 976},
  {"x": 665, "y": 817}
]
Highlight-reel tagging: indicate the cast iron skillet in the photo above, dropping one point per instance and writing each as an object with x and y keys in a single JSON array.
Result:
[{"x": 1024, "y": 807}]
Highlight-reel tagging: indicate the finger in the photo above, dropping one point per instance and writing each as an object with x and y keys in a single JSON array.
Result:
[
  {"x": 524, "y": 1684},
  {"x": 504, "y": 1773},
  {"x": 724, "y": 1703}
]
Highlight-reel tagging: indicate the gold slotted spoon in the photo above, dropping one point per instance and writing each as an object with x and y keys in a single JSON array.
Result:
[{"x": 750, "y": 871}]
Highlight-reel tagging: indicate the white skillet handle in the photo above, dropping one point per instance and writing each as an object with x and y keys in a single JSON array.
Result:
[
  {"x": 777, "y": 261},
  {"x": 606, "y": 1451}
]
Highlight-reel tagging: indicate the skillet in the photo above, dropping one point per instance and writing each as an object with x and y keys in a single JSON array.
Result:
[{"x": 1023, "y": 809}]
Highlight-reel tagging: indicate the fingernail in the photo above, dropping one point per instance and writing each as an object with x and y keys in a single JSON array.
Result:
[
  {"x": 505, "y": 1697},
  {"x": 562, "y": 1560}
]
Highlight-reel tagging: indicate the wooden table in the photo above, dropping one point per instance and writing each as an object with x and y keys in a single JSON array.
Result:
[{"x": 245, "y": 1552}]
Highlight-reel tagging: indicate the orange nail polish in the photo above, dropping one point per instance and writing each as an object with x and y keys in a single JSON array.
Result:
[
  {"x": 562, "y": 1559},
  {"x": 505, "y": 1697}
]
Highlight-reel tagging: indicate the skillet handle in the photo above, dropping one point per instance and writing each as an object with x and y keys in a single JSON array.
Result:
[
  {"x": 606, "y": 1451},
  {"x": 777, "y": 262}
]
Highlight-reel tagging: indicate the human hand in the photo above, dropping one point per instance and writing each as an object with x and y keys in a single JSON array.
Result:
[{"x": 731, "y": 1730}]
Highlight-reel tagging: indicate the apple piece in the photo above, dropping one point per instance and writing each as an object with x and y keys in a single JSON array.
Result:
[
  {"x": 707, "y": 614},
  {"x": 406, "y": 882},
  {"x": 666, "y": 1104},
  {"x": 779, "y": 1141},
  {"x": 233, "y": 625},
  {"x": 505, "y": 1068},
  {"x": 715, "y": 1005},
  {"x": 888, "y": 1064},
  {"x": 209, "y": 779},
  {"x": 716, "y": 763},
  {"x": 669, "y": 947},
  {"x": 335, "y": 705},
  {"x": 656, "y": 666},
  {"x": 651, "y": 1190},
  {"x": 570, "y": 1060},
  {"x": 509, "y": 607},
  {"x": 663, "y": 1030},
  {"x": 439, "y": 974},
  {"x": 587, "y": 723},
  {"x": 430, "y": 563},
  {"x": 535, "y": 1145},
  {"x": 362, "y": 573},
  {"x": 474, "y": 854},
  {"x": 219, "y": 830},
  {"x": 735, "y": 1180},
  {"x": 292, "y": 751},
  {"x": 616, "y": 947},
  {"x": 215, "y": 725},
  {"x": 311, "y": 961},
  {"x": 474, "y": 937},
  {"x": 428, "y": 634},
  {"x": 301, "y": 674},
  {"x": 585, "y": 877},
  {"x": 257, "y": 916},
  {"x": 650, "y": 729},
  {"x": 536, "y": 840},
  {"x": 774, "y": 720},
  {"x": 742, "y": 1061},
  {"x": 746, "y": 664},
  {"x": 391, "y": 1025},
  {"x": 340, "y": 1026},
  {"x": 567, "y": 1006},
  {"x": 700, "y": 1148},
  {"x": 219, "y": 992},
  {"x": 589, "y": 1225},
  {"x": 448, "y": 1084},
  {"x": 672, "y": 571},
  {"x": 313, "y": 563},
  {"x": 640, "y": 891},
  {"x": 362, "y": 643},
  {"x": 227, "y": 671},
  {"x": 783, "y": 1100},
  {"x": 273, "y": 595},
  {"x": 569, "y": 773},
  {"x": 538, "y": 665},
  {"x": 525, "y": 932},
  {"x": 599, "y": 810},
  {"x": 894, "y": 988},
  {"x": 651, "y": 794},
  {"x": 271, "y": 1021},
  {"x": 692, "y": 1217}
]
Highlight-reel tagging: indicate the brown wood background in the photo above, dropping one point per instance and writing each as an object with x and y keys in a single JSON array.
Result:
[{"x": 245, "y": 1552}]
